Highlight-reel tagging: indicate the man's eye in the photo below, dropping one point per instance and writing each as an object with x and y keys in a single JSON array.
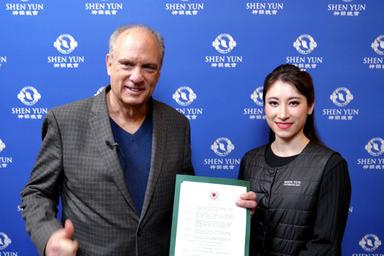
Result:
[
  {"x": 150, "y": 69},
  {"x": 126, "y": 64}
]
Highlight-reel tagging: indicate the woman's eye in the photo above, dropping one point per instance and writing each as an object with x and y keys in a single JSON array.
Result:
[
  {"x": 273, "y": 103},
  {"x": 294, "y": 103}
]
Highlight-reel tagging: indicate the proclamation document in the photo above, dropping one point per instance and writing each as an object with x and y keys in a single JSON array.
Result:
[{"x": 206, "y": 220}]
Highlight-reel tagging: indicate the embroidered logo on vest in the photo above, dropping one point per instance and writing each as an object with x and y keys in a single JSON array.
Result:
[{"x": 292, "y": 183}]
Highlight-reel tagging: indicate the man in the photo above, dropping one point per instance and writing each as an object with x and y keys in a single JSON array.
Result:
[{"x": 113, "y": 160}]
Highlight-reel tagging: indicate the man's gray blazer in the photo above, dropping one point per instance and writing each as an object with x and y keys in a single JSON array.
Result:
[{"x": 79, "y": 163}]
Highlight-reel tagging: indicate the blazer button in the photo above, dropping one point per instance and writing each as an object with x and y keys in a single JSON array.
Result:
[{"x": 139, "y": 232}]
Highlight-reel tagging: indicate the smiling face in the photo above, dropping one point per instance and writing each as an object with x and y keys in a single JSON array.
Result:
[
  {"x": 286, "y": 111},
  {"x": 134, "y": 67}
]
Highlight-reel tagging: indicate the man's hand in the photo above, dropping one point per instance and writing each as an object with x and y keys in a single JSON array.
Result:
[
  {"x": 60, "y": 243},
  {"x": 247, "y": 200}
]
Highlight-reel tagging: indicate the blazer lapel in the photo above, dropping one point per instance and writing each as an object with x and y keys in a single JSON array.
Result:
[
  {"x": 101, "y": 129},
  {"x": 158, "y": 149}
]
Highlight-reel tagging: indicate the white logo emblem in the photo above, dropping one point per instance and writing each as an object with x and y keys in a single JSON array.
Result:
[
  {"x": 305, "y": 44},
  {"x": 222, "y": 146},
  {"x": 224, "y": 43},
  {"x": 65, "y": 44},
  {"x": 2, "y": 145},
  {"x": 341, "y": 97},
  {"x": 184, "y": 96},
  {"x": 257, "y": 96},
  {"x": 375, "y": 146},
  {"x": 29, "y": 96},
  {"x": 4, "y": 241},
  {"x": 370, "y": 242},
  {"x": 378, "y": 45}
]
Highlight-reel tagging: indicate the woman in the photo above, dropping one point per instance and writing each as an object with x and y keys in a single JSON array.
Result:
[{"x": 303, "y": 188}]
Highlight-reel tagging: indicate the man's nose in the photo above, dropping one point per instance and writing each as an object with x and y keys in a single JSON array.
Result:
[{"x": 137, "y": 75}]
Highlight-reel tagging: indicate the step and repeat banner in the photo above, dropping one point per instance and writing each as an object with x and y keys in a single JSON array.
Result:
[{"x": 217, "y": 55}]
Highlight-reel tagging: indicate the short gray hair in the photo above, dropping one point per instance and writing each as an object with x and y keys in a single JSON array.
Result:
[{"x": 122, "y": 29}]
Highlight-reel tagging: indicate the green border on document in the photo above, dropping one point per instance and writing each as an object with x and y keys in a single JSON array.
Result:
[{"x": 225, "y": 181}]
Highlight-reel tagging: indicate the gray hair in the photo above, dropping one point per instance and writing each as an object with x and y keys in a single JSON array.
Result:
[{"x": 122, "y": 29}]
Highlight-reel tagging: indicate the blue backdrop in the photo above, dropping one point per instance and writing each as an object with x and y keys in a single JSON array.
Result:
[{"x": 217, "y": 55}]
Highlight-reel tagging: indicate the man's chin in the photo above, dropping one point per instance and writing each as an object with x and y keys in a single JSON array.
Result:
[{"x": 137, "y": 102}]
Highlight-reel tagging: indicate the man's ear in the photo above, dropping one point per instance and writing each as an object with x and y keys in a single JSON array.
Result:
[{"x": 108, "y": 62}]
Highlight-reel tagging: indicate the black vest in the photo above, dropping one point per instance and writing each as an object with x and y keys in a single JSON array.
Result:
[{"x": 287, "y": 199}]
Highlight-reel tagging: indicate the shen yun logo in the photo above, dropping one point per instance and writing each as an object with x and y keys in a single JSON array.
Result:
[
  {"x": 346, "y": 9},
  {"x": 24, "y": 8},
  {"x": 256, "y": 113},
  {"x": 370, "y": 242},
  {"x": 222, "y": 146},
  {"x": 341, "y": 97},
  {"x": 4, "y": 160},
  {"x": 5, "y": 241},
  {"x": 3, "y": 60},
  {"x": 375, "y": 147},
  {"x": 104, "y": 8},
  {"x": 261, "y": 8},
  {"x": 305, "y": 44},
  {"x": 2, "y": 146},
  {"x": 184, "y": 96},
  {"x": 29, "y": 96},
  {"x": 257, "y": 96},
  {"x": 378, "y": 47},
  {"x": 185, "y": 8},
  {"x": 224, "y": 43},
  {"x": 65, "y": 44}
]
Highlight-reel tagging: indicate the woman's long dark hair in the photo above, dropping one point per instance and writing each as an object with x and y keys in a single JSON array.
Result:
[{"x": 303, "y": 83}]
